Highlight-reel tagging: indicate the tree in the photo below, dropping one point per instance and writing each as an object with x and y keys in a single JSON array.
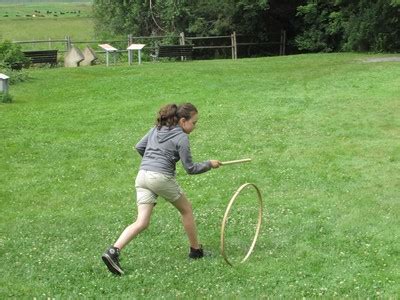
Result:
[
  {"x": 361, "y": 25},
  {"x": 372, "y": 26},
  {"x": 322, "y": 27},
  {"x": 202, "y": 17},
  {"x": 11, "y": 55},
  {"x": 312, "y": 25}
]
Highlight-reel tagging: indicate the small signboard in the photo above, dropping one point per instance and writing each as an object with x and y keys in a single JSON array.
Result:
[
  {"x": 108, "y": 47},
  {"x": 137, "y": 47}
]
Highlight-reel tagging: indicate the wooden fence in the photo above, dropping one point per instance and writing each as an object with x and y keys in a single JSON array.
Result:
[{"x": 232, "y": 42}]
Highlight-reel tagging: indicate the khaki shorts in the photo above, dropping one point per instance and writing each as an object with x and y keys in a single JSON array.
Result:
[{"x": 149, "y": 185}]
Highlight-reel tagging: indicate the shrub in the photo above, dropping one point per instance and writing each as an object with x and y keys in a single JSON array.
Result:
[
  {"x": 15, "y": 76},
  {"x": 18, "y": 76},
  {"x": 11, "y": 55},
  {"x": 362, "y": 25},
  {"x": 5, "y": 98}
]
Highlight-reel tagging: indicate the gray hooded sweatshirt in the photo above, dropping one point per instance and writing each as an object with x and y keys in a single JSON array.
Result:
[{"x": 162, "y": 148}]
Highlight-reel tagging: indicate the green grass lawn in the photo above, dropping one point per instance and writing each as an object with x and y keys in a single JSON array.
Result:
[
  {"x": 324, "y": 135},
  {"x": 43, "y": 29}
]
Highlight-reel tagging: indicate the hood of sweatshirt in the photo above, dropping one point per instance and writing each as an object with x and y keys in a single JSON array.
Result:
[{"x": 165, "y": 134}]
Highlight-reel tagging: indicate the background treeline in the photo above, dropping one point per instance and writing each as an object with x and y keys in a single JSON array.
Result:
[{"x": 311, "y": 25}]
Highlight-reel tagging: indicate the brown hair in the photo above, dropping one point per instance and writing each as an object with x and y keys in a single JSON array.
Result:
[{"x": 170, "y": 114}]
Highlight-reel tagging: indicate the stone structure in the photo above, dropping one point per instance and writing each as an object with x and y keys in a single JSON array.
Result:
[
  {"x": 73, "y": 57},
  {"x": 90, "y": 57}
]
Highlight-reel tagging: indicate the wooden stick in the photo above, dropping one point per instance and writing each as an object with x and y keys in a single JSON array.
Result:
[{"x": 230, "y": 162}]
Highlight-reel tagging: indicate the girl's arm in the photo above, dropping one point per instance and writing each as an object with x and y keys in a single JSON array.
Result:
[
  {"x": 141, "y": 146},
  {"x": 186, "y": 158}
]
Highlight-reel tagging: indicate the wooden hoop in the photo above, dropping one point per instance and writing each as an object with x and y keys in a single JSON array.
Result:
[{"x": 260, "y": 209}]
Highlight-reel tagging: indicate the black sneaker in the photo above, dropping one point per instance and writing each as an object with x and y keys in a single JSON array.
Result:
[
  {"x": 110, "y": 258},
  {"x": 196, "y": 253}
]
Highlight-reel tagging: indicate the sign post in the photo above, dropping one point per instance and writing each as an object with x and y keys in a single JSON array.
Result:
[
  {"x": 130, "y": 49},
  {"x": 108, "y": 48},
  {"x": 4, "y": 81}
]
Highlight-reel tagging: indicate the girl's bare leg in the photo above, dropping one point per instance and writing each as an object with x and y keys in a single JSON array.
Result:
[
  {"x": 141, "y": 223},
  {"x": 185, "y": 208}
]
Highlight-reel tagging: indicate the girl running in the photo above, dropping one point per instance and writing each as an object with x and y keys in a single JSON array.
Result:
[{"x": 161, "y": 148}]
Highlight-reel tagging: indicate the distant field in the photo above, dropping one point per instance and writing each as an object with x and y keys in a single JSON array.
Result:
[
  {"x": 46, "y": 20},
  {"x": 45, "y": 10},
  {"x": 40, "y": 1},
  {"x": 47, "y": 28}
]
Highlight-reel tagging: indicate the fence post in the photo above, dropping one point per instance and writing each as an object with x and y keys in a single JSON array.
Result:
[
  {"x": 284, "y": 42},
  {"x": 233, "y": 51},
  {"x": 182, "y": 38},
  {"x": 68, "y": 42},
  {"x": 282, "y": 48},
  {"x": 182, "y": 42},
  {"x": 235, "y": 43},
  {"x": 49, "y": 43},
  {"x": 130, "y": 41}
]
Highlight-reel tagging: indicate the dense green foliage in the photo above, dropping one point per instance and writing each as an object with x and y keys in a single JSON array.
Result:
[
  {"x": 11, "y": 58},
  {"x": 322, "y": 130},
  {"x": 362, "y": 25},
  {"x": 11, "y": 54},
  {"x": 324, "y": 25},
  {"x": 5, "y": 97},
  {"x": 204, "y": 17}
]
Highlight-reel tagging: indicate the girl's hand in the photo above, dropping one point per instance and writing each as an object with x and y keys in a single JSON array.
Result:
[{"x": 215, "y": 164}]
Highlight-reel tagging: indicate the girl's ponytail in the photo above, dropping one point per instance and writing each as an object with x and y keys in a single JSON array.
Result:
[
  {"x": 170, "y": 114},
  {"x": 167, "y": 116}
]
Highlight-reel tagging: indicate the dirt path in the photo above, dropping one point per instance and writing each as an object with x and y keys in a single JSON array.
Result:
[{"x": 382, "y": 59}]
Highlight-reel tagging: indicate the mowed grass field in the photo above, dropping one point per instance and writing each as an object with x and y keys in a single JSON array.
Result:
[
  {"x": 44, "y": 20},
  {"x": 323, "y": 132}
]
